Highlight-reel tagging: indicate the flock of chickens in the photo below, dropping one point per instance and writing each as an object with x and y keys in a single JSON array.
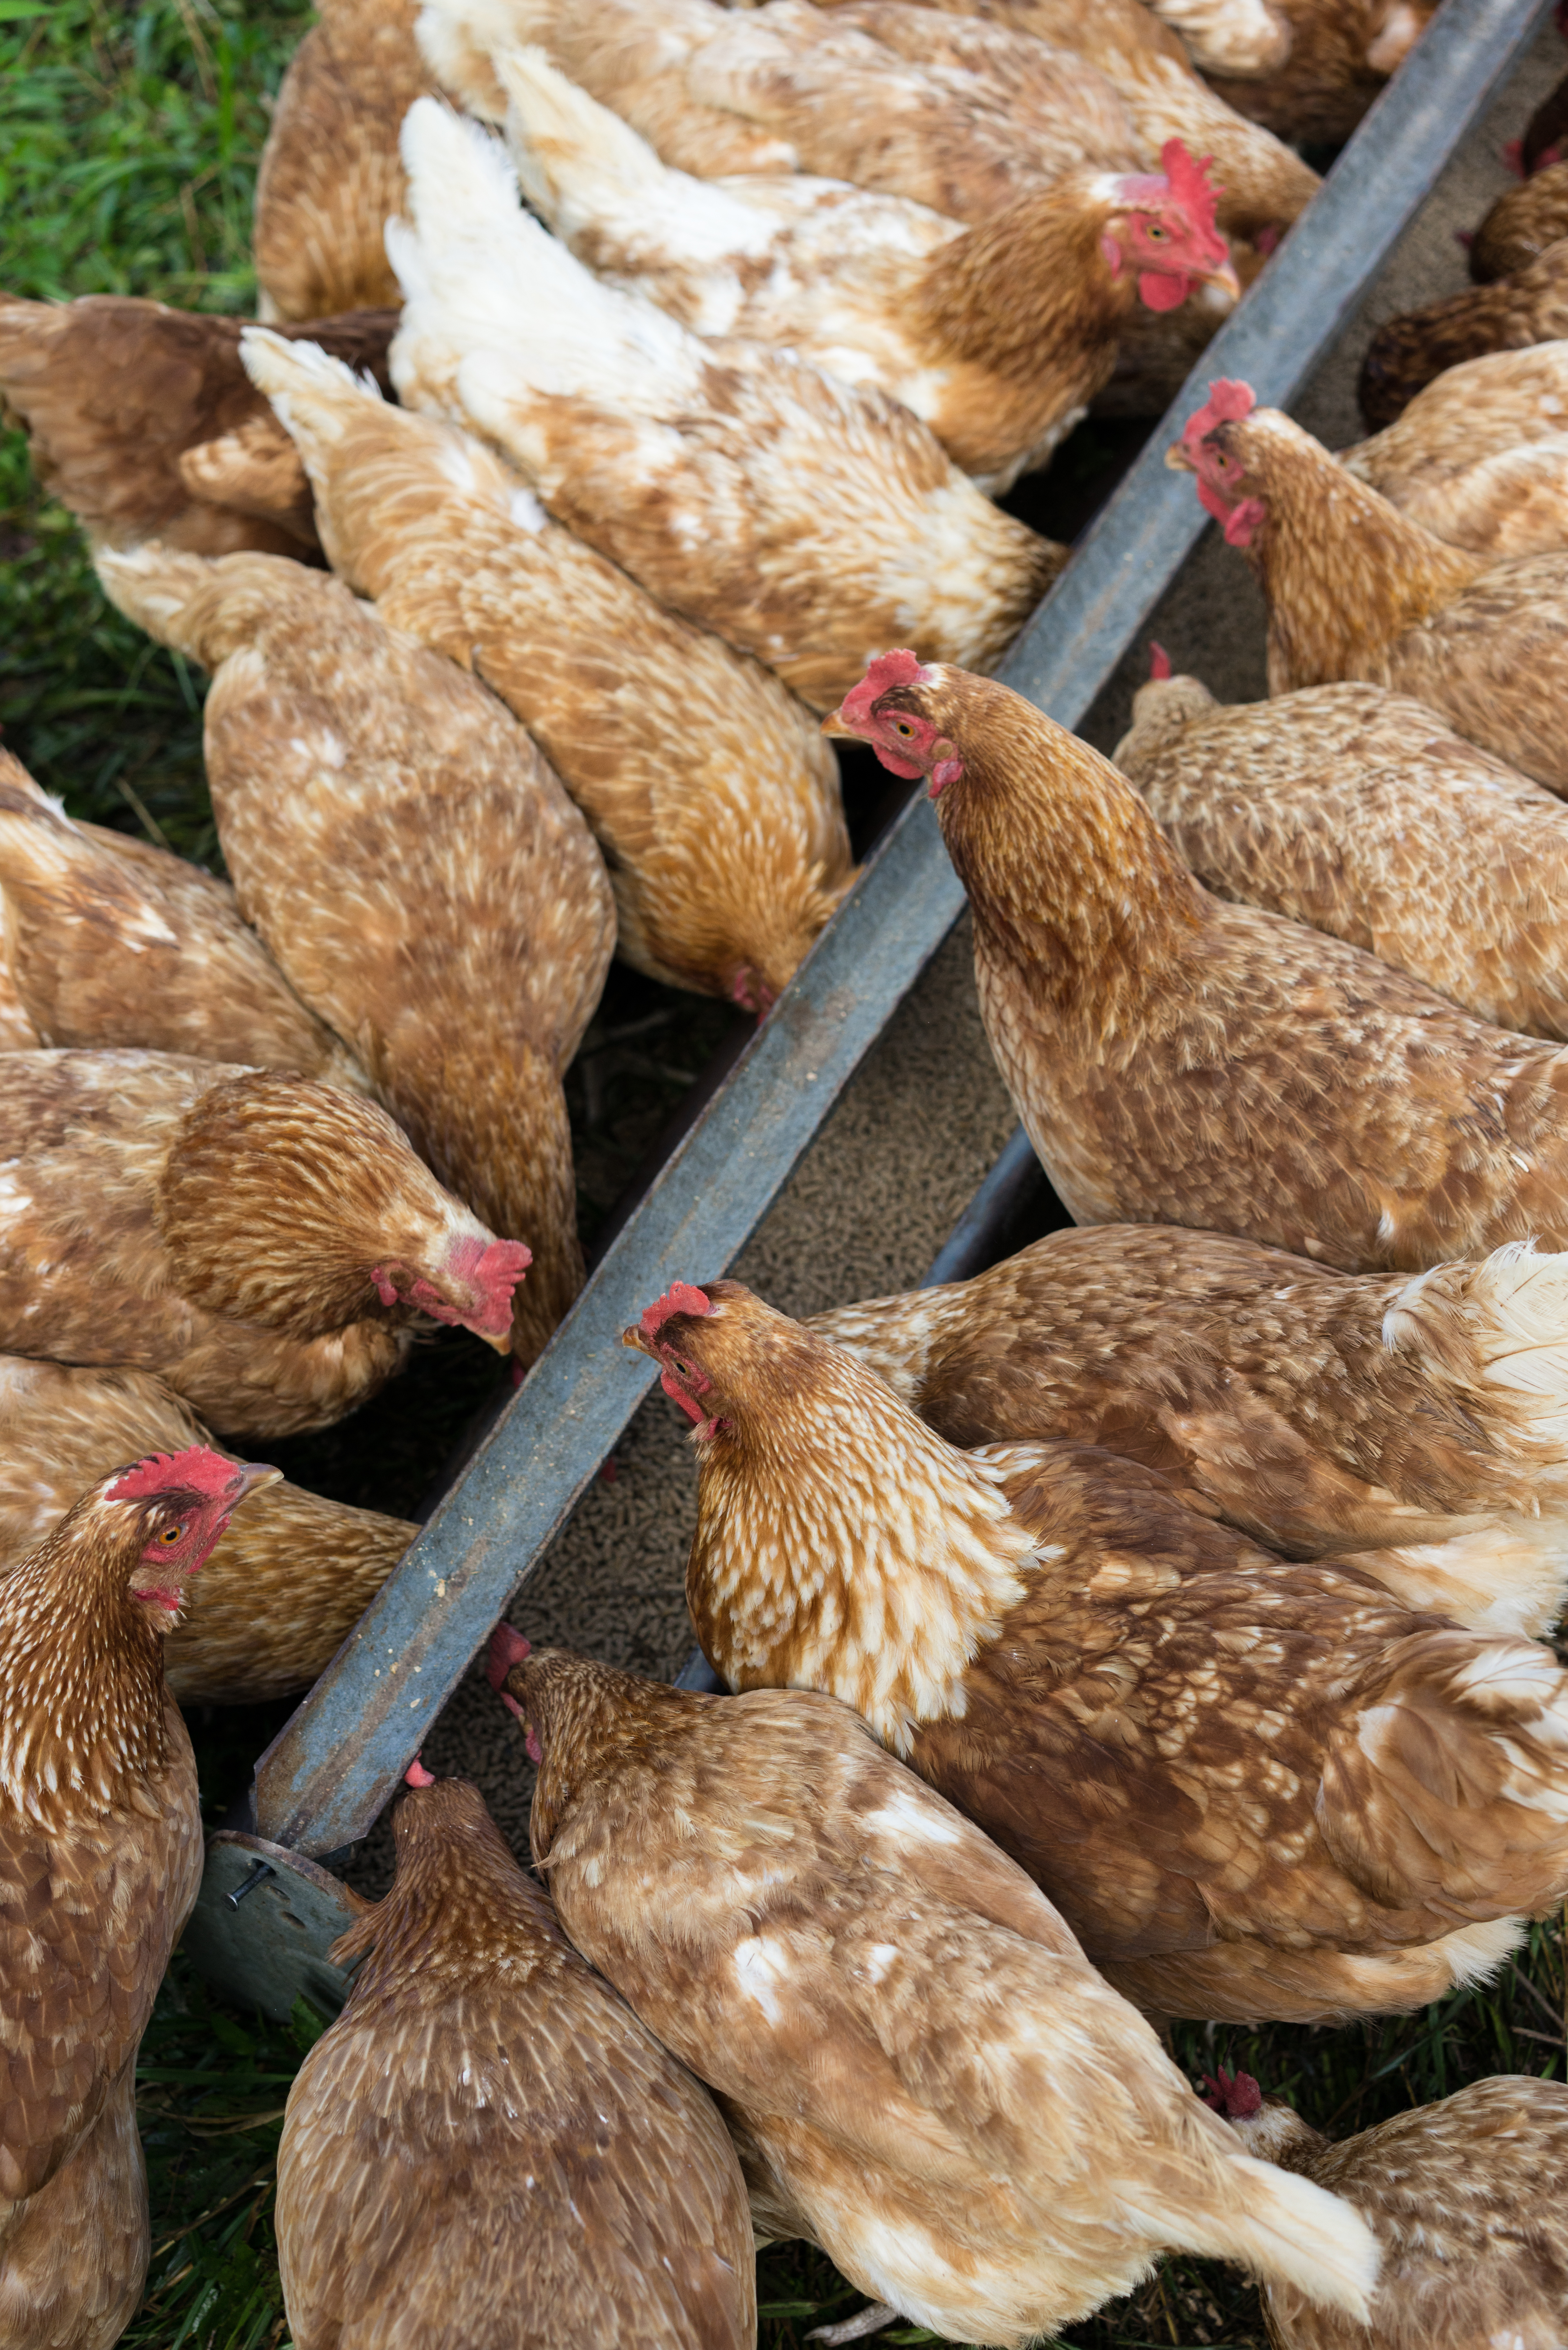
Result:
[{"x": 1152, "y": 1626}]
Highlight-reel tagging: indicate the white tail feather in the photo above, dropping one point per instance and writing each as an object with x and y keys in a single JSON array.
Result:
[
  {"x": 312, "y": 395},
  {"x": 479, "y": 275},
  {"x": 1294, "y": 2232},
  {"x": 154, "y": 586},
  {"x": 1502, "y": 1323},
  {"x": 456, "y": 39}
]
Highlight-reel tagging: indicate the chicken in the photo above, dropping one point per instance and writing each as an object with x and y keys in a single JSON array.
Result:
[
  {"x": 950, "y": 111},
  {"x": 1480, "y": 458},
  {"x": 101, "y": 1856},
  {"x": 416, "y": 869},
  {"x": 1338, "y": 58},
  {"x": 17, "y": 1033},
  {"x": 1415, "y": 1424},
  {"x": 109, "y": 941},
  {"x": 1253, "y": 1788},
  {"x": 178, "y": 446},
  {"x": 330, "y": 175},
  {"x": 1263, "y": 185},
  {"x": 1178, "y": 1060},
  {"x": 794, "y": 515},
  {"x": 487, "y": 2148},
  {"x": 1468, "y": 2198},
  {"x": 997, "y": 336},
  {"x": 1522, "y": 224},
  {"x": 286, "y": 1583},
  {"x": 1357, "y": 811},
  {"x": 262, "y": 1242},
  {"x": 1357, "y": 590},
  {"x": 1240, "y": 38},
  {"x": 1414, "y": 350},
  {"x": 707, "y": 785},
  {"x": 922, "y": 2073}
]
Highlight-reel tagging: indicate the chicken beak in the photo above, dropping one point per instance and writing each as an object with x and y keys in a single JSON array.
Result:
[
  {"x": 834, "y": 724},
  {"x": 634, "y": 1337},
  {"x": 251, "y": 1475},
  {"x": 1176, "y": 458},
  {"x": 1227, "y": 280}
]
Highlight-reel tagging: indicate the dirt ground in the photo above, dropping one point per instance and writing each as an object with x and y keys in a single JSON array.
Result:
[{"x": 878, "y": 1190}]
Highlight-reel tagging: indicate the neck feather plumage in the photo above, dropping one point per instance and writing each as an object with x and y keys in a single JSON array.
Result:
[
  {"x": 1345, "y": 574},
  {"x": 1030, "y": 283},
  {"x": 82, "y": 1676},
  {"x": 845, "y": 1547},
  {"x": 1071, "y": 880}
]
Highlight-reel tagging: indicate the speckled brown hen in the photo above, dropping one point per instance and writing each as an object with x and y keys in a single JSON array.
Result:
[
  {"x": 1469, "y": 2199},
  {"x": 997, "y": 336},
  {"x": 417, "y": 868},
  {"x": 101, "y": 1856},
  {"x": 1480, "y": 458},
  {"x": 1338, "y": 58},
  {"x": 1264, "y": 186},
  {"x": 109, "y": 941},
  {"x": 487, "y": 2149},
  {"x": 141, "y": 420},
  {"x": 1524, "y": 223},
  {"x": 1357, "y": 811},
  {"x": 1530, "y": 306},
  {"x": 289, "y": 1578},
  {"x": 1418, "y": 1426},
  {"x": 1179, "y": 1060},
  {"x": 330, "y": 176},
  {"x": 923, "y": 2073},
  {"x": 793, "y": 514},
  {"x": 705, "y": 782},
  {"x": 262, "y": 1242},
  {"x": 1356, "y": 589},
  {"x": 1254, "y": 1789}
]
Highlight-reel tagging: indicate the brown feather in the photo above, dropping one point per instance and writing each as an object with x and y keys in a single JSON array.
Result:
[
  {"x": 922, "y": 2067},
  {"x": 1522, "y": 226},
  {"x": 487, "y": 2147},
  {"x": 1480, "y": 458},
  {"x": 1192, "y": 1747},
  {"x": 288, "y": 1580},
  {"x": 54, "y": 2294},
  {"x": 1527, "y": 306}
]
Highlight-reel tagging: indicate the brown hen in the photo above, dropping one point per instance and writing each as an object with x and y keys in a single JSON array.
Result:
[
  {"x": 1480, "y": 458},
  {"x": 798, "y": 516},
  {"x": 1178, "y": 1060},
  {"x": 1524, "y": 223},
  {"x": 1339, "y": 55},
  {"x": 1420, "y": 1425},
  {"x": 416, "y": 869},
  {"x": 101, "y": 1856},
  {"x": 109, "y": 941},
  {"x": 1355, "y": 589},
  {"x": 330, "y": 177},
  {"x": 1357, "y": 811},
  {"x": 1528, "y": 305},
  {"x": 1254, "y": 1789},
  {"x": 487, "y": 2107},
  {"x": 288, "y": 1580},
  {"x": 1469, "y": 2199},
  {"x": 142, "y": 421},
  {"x": 706, "y": 783},
  {"x": 263, "y": 1243},
  {"x": 922, "y": 2073}
]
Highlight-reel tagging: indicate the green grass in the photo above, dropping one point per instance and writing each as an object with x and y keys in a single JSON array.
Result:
[{"x": 130, "y": 139}]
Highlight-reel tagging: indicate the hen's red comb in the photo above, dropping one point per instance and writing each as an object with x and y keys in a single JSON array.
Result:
[
  {"x": 416, "y": 1775},
  {"x": 883, "y": 671},
  {"x": 1189, "y": 185},
  {"x": 507, "y": 1648},
  {"x": 1159, "y": 663},
  {"x": 1235, "y": 2095},
  {"x": 680, "y": 1298},
  {"x": 195, "y": 1469},
  {"x": 1227, "y": 403}
]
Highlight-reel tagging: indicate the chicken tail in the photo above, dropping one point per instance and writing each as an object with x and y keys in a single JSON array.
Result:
[
  {"x": 196, "y": 605},
  {"x": 458, "y": 37},
  {"x": 1499, "y": 1329},
  {"x": 573, "y": 154},
  {"x": 1446, "y": 1792},
  {"x": 486, "y": 286},
  {"x": 1288, "y": 2231}
]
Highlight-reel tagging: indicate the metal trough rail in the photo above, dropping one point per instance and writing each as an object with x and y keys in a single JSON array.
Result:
[{"x": 328, "y": 1775}]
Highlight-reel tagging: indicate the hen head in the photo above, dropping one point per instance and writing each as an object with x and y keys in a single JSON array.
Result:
[
  {"x": 1235, "y": 2095},
  {"x": 1214, "y": 447},
  {"x": 468, "y": 1280},
  {"x": 1160, "y": 228},
  {"x": 169, "y": 1510},
  {"x": 724, "y": 1357}
]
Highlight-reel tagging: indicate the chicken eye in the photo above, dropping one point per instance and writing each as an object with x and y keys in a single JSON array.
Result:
[
  {"x": 1157, "y": 234},
  {"x": 173, "y": 1534},
  {"x": 902, "y": 726},
  {"x": 683, "y": 1366}
]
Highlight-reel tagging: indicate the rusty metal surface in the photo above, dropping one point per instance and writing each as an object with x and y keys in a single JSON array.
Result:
[{"x": 322, "y": 1783}]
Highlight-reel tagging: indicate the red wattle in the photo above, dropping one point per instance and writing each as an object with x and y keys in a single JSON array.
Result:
[
  {"x": 897, "y": 767},
  {"x": 679, "y": 1395},
  {"x": 1158, "y": 292}
]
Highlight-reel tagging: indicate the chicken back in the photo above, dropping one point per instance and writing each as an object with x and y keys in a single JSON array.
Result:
[{"x": 487, "y": 2148}]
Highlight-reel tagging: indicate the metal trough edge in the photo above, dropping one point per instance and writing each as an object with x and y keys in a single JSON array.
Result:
[{"x": 321, "y": 1783}]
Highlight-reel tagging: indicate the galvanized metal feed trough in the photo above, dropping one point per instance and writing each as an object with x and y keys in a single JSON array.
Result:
[{"x": 322, "y": 1783}]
